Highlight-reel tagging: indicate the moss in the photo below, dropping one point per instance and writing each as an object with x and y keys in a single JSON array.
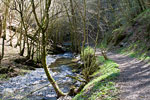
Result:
[
  {"x": 102, "y": 87},
  {"x": 120, "y": 29},
  {"x": 6, "y": 73},
  {"x": 23, "y": 71},
  {"x": 3, "y": 77}
]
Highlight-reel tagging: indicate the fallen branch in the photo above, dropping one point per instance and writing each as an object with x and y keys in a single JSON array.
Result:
[{"x": 76, "y": 78}]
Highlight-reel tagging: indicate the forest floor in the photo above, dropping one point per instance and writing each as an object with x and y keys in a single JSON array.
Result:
[
  {"x": 134, "y": 79},
  {"x": 9, "y": 68}
]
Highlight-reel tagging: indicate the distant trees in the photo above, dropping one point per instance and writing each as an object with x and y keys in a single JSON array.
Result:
[
  {"x": 4, "y": 26},
  {"x": 24, "y": 10}
]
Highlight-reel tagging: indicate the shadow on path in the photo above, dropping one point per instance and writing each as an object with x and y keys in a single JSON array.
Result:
[{"x": 134, "y": 79}]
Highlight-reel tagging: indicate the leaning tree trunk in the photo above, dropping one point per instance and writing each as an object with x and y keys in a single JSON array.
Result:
[
  {"x": 43, "y": 28},
  {"x": 50, "y": 78}
]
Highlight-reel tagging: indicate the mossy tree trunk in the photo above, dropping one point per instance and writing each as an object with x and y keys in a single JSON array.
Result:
[
  {"x": 43, "y": 28},
  {"x": 50, "y": 78}
]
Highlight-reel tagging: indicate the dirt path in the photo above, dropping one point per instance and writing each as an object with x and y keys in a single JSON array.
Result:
[{"x": 134, "y": 79}]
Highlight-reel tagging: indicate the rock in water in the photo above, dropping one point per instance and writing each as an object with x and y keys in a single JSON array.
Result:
[{"x": 65, "y": 98}]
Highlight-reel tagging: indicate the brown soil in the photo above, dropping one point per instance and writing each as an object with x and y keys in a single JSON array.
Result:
[
  {"x": 8, "y": 65},
  {"x": 134, "y": 79}
]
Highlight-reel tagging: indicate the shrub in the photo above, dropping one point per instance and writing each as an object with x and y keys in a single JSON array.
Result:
[
  {"x": 90, "y": 63},
  {"x": 86, "y": 52}
]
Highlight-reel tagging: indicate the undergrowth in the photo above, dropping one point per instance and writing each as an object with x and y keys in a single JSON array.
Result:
[
  {"x": 7, "y": 75},
  {"x": 3, "y": 76},
  {"x": 134, "y": 52},
  {"x": 102, "y": 87},
  {"x": 138, "y": 41}
]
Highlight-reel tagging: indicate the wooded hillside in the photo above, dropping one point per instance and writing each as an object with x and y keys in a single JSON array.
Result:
[{"x": 89, "y": 36}]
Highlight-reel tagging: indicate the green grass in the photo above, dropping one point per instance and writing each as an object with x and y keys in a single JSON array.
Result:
[
  {"x": 134, "y": 53},
  {"x": 102, "y": 87}
]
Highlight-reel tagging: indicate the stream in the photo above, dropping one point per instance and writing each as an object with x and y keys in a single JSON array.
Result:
[{"x": 19, "y": 87}]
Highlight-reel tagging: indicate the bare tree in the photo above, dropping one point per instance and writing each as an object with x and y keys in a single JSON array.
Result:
[
  {"x": 6, "y": 4},
  {"x": 43, "y": 27}
]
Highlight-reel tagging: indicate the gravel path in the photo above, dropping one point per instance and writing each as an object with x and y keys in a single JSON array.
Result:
[{"x": 134, "y": 79}]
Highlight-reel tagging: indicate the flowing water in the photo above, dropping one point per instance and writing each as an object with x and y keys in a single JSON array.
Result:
[{"x": 19, "y": 87}]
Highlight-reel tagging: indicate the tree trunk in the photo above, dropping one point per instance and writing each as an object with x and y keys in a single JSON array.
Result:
[
  {"x": 1, "y": 26},
  {"x": 43, "y": 28},
  {"x": 10, "y": 21},
  {"x": 32, "y": 55},
  {"x": 104, "y": 55},
  {"x": 28, "y": 49},
  {"x": 50, "y": 78},
  {"x": 3, "y": 48},
  {"x": 21, "y": 39},
  {"x": 23, "y": 48},
  {"x": 4, "y": 28}
]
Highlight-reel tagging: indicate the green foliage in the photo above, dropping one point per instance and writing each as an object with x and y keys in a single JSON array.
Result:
[
  {"x": 137, "y": 47},
  {"x": 103, "y": 44},
  {"x": 135, "y": 50},
  {"x": 144, "y": 17},
  {"x": 86, "y": 52},
  {"x": 121, "y": 29},
  {"x": 3, "y": 76},
  {"x": 102, "y": 87},
  {"x": 101, "y": 59},
  {"x": 90, "y": 63}
]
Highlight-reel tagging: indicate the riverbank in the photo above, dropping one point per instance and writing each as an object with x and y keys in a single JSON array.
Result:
[
  {"x": 13, "y": 64},
  {"x": 8, "y": 67},
  {"x": 35, "y": 85},
  {"x": 103, "y": 86}
]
